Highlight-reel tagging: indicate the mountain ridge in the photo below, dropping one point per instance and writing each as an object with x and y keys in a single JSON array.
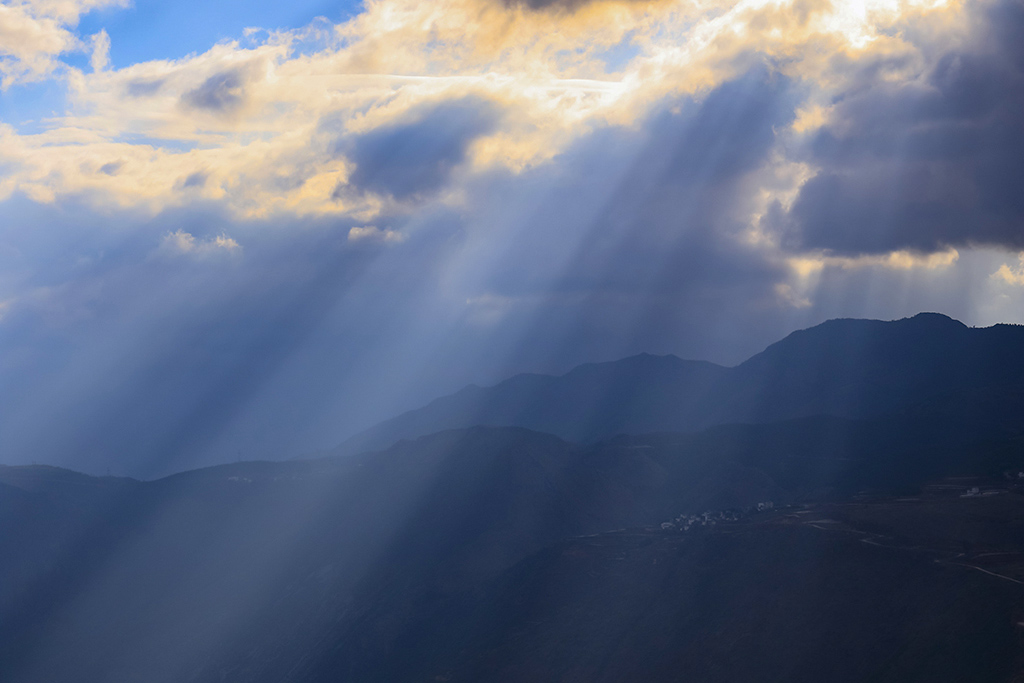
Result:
[
  {"x": 455, "y": 547},
  {"x": 846, "y": 367}
]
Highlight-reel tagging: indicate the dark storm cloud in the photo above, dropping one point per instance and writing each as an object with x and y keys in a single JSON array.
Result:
[
  {"x": 417, "y": 155},
  {"x": 924, "y": 165},
  {"x": 222, "y": 92}
]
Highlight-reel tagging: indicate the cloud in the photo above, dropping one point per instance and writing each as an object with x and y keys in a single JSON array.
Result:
[
  {"x": 222, "y": 92},
  {"x": 618, "y": 245},
  {"x": 100, "y": 58},
  {"x": 625, "y": 241},
  {"x": 371, "y": 233},
  {"x": 179, "y": 243},
  {"x": 926, "y": 162},
  {"x": 417, "y": 155},
  {"x": 563, "y": 5},
  {"x": 90, "y": 317},
  {"x": 431, "y": 194},
  {"x": 111, "y": 167},
  {"x": 676, "y": 217},
  {"x": 129, "y": 341},
  {"x": 261, "y": 116},
  {"x": 197, "y": 179},
  {"x": 1011, "y": 276},
  {"x": 34, "y": 33},
  {"x": 144, "y": 88}
]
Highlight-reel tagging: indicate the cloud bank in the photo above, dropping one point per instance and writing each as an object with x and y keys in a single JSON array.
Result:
[{"x": 255, "y": 250}]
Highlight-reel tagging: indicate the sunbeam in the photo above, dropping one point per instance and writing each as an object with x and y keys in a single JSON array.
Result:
[{"x": 511, "y": 340}]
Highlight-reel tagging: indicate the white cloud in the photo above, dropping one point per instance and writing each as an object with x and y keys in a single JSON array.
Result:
[
  {"x": 179, "y": 243},
  {"x": 34, "y": 33},
  {"x": 100, "y": 58},
  {"x": 369, "y": 233}
]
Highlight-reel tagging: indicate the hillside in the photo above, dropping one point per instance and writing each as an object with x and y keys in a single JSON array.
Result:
[
  {"x": 633, "y": 540},
  {"x": 845, "y": 368},
  {"x": 295, "y": 571}
]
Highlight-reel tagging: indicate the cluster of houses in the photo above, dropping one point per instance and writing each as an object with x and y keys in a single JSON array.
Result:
[
  {"x": 976, "y": 487},
  {"x": 685, "y": 522},
  {"x": 976, "y": 492}
]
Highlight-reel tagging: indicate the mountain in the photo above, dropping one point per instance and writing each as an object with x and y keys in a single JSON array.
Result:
[
  {"x": 847, "y": 505},
  {"x": 490, "y": 554},
  {"x": 845, "y": 368},
  {"x": 637, "y": 395}
]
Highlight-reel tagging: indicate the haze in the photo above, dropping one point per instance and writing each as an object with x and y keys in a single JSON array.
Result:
[{"x": 239, "y": 231}]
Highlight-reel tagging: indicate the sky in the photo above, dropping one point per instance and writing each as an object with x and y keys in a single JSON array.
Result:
[{"x": 248, "y": 230}]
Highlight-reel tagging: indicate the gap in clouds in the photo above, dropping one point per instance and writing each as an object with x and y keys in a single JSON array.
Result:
[{"x": 154, "y": 30}]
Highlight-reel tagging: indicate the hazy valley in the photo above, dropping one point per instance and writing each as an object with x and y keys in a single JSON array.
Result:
[{"x": 808, "y": 515}]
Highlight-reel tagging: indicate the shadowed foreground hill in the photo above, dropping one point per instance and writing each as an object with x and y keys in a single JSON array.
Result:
[
  {"x": 489, "y": 555},
  {"x": 769, "y": 600},
  {"x": 846, "y": 368}
]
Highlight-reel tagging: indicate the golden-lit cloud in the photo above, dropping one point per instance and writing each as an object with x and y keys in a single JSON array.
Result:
[
  {"x": 255, "y": 124},
  {"x": 806, "y": 266},
  {"x": 1011, "y": 276},
  {"x": 806, "y": 270}
]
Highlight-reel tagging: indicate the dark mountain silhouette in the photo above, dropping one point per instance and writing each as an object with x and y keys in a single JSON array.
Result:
[
  {"x": 845, "y": 368},
  {"x": 632, "y": 543},
  {"x": 471, "y": 555}
]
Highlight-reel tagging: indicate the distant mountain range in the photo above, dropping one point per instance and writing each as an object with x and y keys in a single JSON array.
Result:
[
  {"x": 490, "y": 554},
  {"x": 844, "y": 368},
  {"x": 631, "y": 542}
]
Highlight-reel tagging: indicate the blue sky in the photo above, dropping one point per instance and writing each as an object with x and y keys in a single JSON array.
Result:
[
  {"x": 217, "y": 243},
  {"x": 148, "y": 30},
  {"x": 154, "y": 29}
]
